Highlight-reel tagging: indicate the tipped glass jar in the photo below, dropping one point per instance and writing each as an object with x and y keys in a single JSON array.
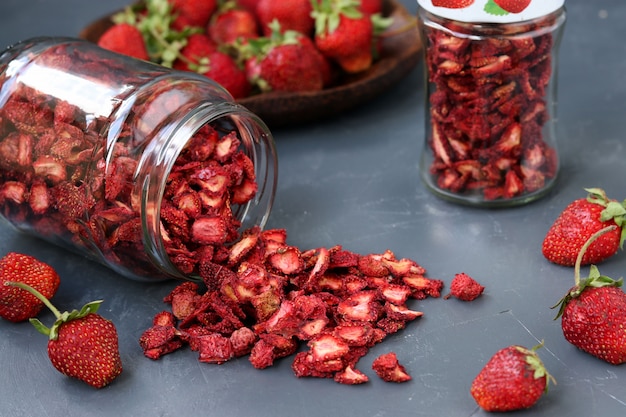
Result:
[
  {"x": 490, "y": 137},
  {"x": 151, "y": 171}
]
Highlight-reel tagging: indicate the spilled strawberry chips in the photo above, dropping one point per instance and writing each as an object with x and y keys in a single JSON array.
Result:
[{"x": 268, "y": 298}]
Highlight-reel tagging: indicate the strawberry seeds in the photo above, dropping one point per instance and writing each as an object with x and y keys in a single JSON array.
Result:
[{"x": 491, "y": 111}]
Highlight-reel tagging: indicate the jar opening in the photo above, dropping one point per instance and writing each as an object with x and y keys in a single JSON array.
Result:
[{"x": 242, "y": 156}]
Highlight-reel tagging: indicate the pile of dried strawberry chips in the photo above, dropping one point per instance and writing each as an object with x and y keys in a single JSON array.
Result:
[
  {"x": 269, "y": 299},
  {"x": 488, "y": 108}
]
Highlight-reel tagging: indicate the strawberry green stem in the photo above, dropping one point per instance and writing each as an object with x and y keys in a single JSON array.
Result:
[
  {"x": 53, "y": 331},
  {"x": 582, "y": 251},
  {"x": 37, "y": 294}
]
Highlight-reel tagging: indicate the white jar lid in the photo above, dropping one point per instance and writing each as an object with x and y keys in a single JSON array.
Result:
[{"x": 491, "y": 11}]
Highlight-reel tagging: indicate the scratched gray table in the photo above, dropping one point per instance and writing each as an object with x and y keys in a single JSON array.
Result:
[{"x": 353, "y": 181}]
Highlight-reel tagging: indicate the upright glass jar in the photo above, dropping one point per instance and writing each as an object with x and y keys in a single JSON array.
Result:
[
  {"x": 146, "y": 169},
  {"x": 490, "y": 77}
]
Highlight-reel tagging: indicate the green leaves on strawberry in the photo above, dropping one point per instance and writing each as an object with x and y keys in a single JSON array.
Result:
[
  {"x": 155, "y": 21},
  {"x": 17, "y": 305},
  {"x": 82, "y": 344},
  {"x": 513, "y": 379},
  {"x": 593, "y": 312},
  {"x": 578, "y": 222}
]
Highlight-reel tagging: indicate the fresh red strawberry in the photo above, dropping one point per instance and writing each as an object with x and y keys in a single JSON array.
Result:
[
  {"x": 285, "y": 62},
  {"x": 513, "y": 379},
  {"x": 579, "y": 221},
  {"x": 593, "y": 312},
  {"x": 291, "y": 14},
  {"x": 344, "y": 34},
  {"x": 453, "y": 4},
  {"x": 221, "y": 68},
  {"x": 82, "y": 344},
  {"x": 124, "y": 39},
  {"x": 17, "y": 305},
  {"x": 464, "y": 288},
  {"x": 324, "y": 65},
  {"x": 199, "y": 46},
  {"x": 192, "y": 12},
  {"x": 371, "y": 6},
  {"x": 232, "y": 22},
  {"x": 513, "y": 6}
]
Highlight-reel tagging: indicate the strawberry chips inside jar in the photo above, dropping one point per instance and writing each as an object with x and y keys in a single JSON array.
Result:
[
  {"x": 490, "y": 136},
  {"x": 151, "y": 171}
]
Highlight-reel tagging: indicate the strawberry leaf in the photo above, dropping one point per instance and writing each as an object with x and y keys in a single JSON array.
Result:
[
  {"x": 39, "y": 326},
  {"x": 492, "y": 8},
  {"x": 66, "y": 316},
  {"x": 613, "y": 210},
  {"x": 380, "y": 23},
  {"x": 333, "y": 22},
  {"x": 597, "y": 195}
]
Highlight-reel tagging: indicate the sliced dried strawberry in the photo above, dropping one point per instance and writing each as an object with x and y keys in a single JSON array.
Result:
[
  {"x": 395, "y": 293},
  {"x": 423, "y": 287},
  {"x": 355, "y": 333},
  {"x": 242, "y": 341},
  {"x": 350, "y": 376},
  {"x": 340, "y": 258},
  {"x": 215, "y": 348},
  {"x": 327, "y": 347},
  {"x": 361, "y": 306},
  {"x": 389, "y": 369},
  {"x": 303, "y": 365},
  {"x": 162, "y": 338},
  {"x": 183, "y": 299},
  {"x": 209, "y": 230},
  {"x": 373, "y": 265},
  {"x": 241, "y": 248},
  {"x": 287, "y": 260},
  {"x": 401, "y": 312},
  {"x": 14, "y": 192},
  {"x": 50, "y": 168}
]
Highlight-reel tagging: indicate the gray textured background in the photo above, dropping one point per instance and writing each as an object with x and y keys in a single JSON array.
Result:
[{"x": 353, "y": 181}]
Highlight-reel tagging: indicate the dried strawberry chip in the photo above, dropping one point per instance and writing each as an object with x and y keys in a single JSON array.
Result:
[
  {"x": 355, "y": 333},
  {"x": 350, "y": 376},
  {"x": 162, "y": 338},
  {"x": 303, "y": 365},
  {"x": 465, "y": 288},
  {"x": 242, "y": 341},
  {"x": 327, "y": 347},
  {"x": 389, "y": 369},
  {"x": 183, "y": 299},
  {"x": 215, "y": 348},
  {"x": 373, "y": 265},
  {"x": 286, "y": 260},
  {"x": 360, "y": 307}
]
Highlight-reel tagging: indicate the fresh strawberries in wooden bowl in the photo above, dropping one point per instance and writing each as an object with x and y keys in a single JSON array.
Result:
[{"x": 392, "y": 45}]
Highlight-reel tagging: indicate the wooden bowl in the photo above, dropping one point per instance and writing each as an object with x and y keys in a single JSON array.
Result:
[{"x": 400, "y": 53}]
